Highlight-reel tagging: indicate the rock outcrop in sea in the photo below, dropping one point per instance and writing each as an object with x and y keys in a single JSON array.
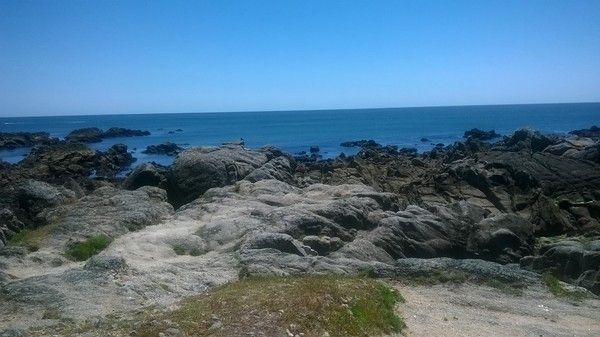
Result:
[
  {"x": 94, "y": 135},
  {"x": 167, "y": 148}
]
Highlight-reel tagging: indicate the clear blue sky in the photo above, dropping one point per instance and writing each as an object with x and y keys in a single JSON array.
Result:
[{"x": 94, "y": 57}]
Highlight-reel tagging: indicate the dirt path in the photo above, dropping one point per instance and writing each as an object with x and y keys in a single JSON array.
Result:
[{"x": 472, "y": 310}]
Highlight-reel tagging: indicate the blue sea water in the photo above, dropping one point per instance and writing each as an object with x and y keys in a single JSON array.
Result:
[{"x": 296, "y": 131}]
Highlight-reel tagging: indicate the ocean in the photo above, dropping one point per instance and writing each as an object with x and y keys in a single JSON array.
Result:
[{"x": 296, "y": 131}]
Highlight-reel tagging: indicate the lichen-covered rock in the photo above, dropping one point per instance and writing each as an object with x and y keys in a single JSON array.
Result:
[
  {"x": 571, "y": 260},
  {"x": 476, "y": 267},
  {"x": 278, "y": 168},
  {"x": 197, "y": 170},
  {"x": 147, "y": 174},
  {"x": 34, "y": 197},
  {"x": 105, "y": 263},
  {"x": 503, "y": 238},
  {"x": 548, "y": 217},
  {"x": 114, "y": 212},
  {"x": 278, "y": 241},
  {"x": 9, "y": 225}
]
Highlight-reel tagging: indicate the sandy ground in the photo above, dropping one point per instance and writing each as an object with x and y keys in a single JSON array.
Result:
[{"x": 473, "y": 310}]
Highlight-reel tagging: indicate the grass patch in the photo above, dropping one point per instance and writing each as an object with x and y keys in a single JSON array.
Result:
[
  {"x": 438, "y": 277},
  {"x": 268, "y": 306},
  {"x": 585, "y": 241},
  {"x": 82, "y": 251},
  {"x": 442, "y": 276},
  {"x": 181, "y": 250},
  {"x": 559, "y": 290},
  {"x": 31, "y": 239},
  {"x": 367, "y": 272},
  {"x": 509, "y": 288}
]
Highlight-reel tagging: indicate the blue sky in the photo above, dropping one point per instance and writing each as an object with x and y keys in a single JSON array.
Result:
[{"x": 94, "y": 57}]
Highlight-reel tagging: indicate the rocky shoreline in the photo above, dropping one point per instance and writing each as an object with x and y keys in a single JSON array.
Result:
[{"x": 514, "y": 209}]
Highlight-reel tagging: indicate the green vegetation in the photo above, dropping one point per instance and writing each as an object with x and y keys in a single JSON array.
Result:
[
  {"x": 51, "y": 313},
  {"x": 367, "y": 272},
  {"x": 509, "y": 288},
  {"x": 438, "y": 277},
  {"x": 441, "y": 276},
  {"x": 82, "y": 251},
  {"x": 181, "y": 250},
  {"x": 312, "y": 305},
  {"x": 585, "y": 241},
  {"x": 32, "y": 239},
  {"x": 559, "y": 290}
]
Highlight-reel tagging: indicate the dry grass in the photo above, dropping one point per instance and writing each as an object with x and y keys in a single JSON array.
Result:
[
  {"x": 32, "y": 239},
  {"x": 559, "y": 290},
  {"x": 458, "y": 277},
  {"x": 272, "y": 306}
]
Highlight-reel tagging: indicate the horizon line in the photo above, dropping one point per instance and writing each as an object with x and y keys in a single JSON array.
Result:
[{"x": 307, "y": 110}]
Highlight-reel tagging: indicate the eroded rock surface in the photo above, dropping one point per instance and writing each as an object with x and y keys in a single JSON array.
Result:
[{"x": 471, "y": 207}]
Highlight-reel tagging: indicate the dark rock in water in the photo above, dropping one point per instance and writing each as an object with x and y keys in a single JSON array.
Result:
[
  {"x": 113, "y": 161},
  {"x": 94, "y": 135},
  {"x": 371, "y": 148},
  {"x": 59, "y": 163},
  {"x": 314, "y": 149},
  {"x": 122, "y": 132},
  {"x": 593, "y": 132},
  {"x": 25, "y": 139},
  {"x": 147, "y": 174},
  {"x": 361, "y": 143},
  {"x": 425, "y": 140},
  {"x": 85, "y": 135},
  {"x": 481, "y": 134},
  {"x": 54, "y": 163},
  {"x": 168, "y": 148}
]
